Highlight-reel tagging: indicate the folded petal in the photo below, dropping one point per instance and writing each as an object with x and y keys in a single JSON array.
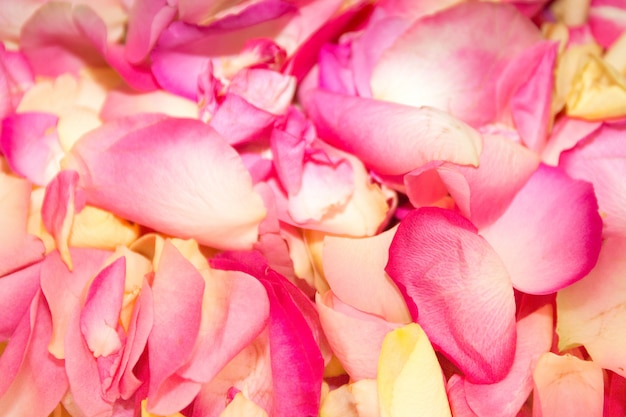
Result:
[
  {"x": 134, "y": 168},
  {"x": 455, "y": 285},
  {"x": 391, "y": 138},
  {"x": 551, "y": 214},
  {"x": 451, "y": 60},
  {"x": 410, "y": 379},
  {"x": 566, "y": 385}
]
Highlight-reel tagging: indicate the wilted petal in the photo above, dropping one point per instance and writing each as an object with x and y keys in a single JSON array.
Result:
[
  {"x": 591, "y": 312},
  {"x": 455, "y": 285},
  {"x": 560, "y": 218},
  {"x": 451, "y": 60},
  {"x": 133, "y": 167},
  {"x": 410, "y": 380},
  {"x": 566, "y": 385},
  {"x": 355, "y": 270},
  {"x": 391, "y": 138}
]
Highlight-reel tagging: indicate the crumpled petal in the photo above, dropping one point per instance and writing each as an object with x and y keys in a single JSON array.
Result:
[
  {"x": 590, "y": 312},
  {"x": 391, "y": 138},
  {"x": 561, "y": 219},
  {"x": 132, "y": 167},
  {"x": 410, "y": 380},
  {"x": 455, "y": 285},
  {"x": 451, "y": 60},
  {"x": 566, "y": 385}
]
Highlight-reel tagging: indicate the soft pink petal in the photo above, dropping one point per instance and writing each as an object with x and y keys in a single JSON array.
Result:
[
  {"x": 252, "y": 122},
  {"x": 391, "y": 138},
  {"x": 481, "y": 193},
  {"x": 525, "y": 90},
  {"x": 100, "y": 314},
  {"x": 296, "y": 361},
  {"x": 506, "y": 397},
  {"x": 355, "y": 271},
  {"x": 16, "y": 76},
  {"x": 267, "y": 90},
  {"x": 335, "y": 72},
  {"x": 355, "y": 337},
  {"x": 455, "y": 389},
  {"x": 146, "y": 20},
  {"x": 452, "y": 59},
  {"x": 565, "y": 135},
  {"x": 600, "y": 158},
  {"x": 31, "y": 145},
  {"x": 455, "y": 286},
  {"x": 17, "y": 290},
  {"x": 41, "y": 382},
  {"x": 560, "y": 217},
  {"x": 177, "y": 290},
  {"x": 566, "y": 385},
  {"x": 134, "y": 168},
  {"x": 64, "y": 289}
]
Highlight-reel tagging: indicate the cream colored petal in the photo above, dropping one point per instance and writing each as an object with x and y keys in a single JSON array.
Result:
[{"x": 240, "y": 406}]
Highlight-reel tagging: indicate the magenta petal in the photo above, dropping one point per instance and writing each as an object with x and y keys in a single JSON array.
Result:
[
  {"x": 134, "y": 168},
  {"x": 391, "y": 138},
  {"x": 553, "y": 214},
  {"x": 177, "y": 292},
  {"x": 30, "y": 143},
  {"x": 297, "y": 364},
  {"x": 456, "y": 286}
]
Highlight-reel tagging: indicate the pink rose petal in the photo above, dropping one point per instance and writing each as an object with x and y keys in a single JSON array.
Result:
[{"x": 455, "y": 286}]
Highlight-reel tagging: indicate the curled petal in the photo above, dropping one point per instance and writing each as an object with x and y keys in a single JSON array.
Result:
[
  {"x": 455, "y": 285},
  {"x": 391, "y": 138},
  {"x": 134, "y": 168}
]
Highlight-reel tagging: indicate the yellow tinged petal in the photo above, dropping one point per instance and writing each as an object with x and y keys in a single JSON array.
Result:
[
  {"x": 359, "y": 399},
  {"x": 240, "y": 406},
  {"x": 97, "y": 228},
  {"x": 410, "y": 380},
  {"x": 145, "y": 413},
  {"x": 598, "y": 92},
  {"x": 616, "y": 54}
]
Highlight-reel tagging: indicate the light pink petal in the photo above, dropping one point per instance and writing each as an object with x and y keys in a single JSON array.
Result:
[
  {"x": 64, "y": 289},
  {"x": 391, "y": 138},
  {"x": 177, "y": 291},
  {"x": 455, "y": 389},
  {"x": 252, "y": 122},
  {"x": 31, "y": 145},
  {"x": 355, "y": 337},
  {"x": 565, "y": 135},
  {"x": 100, "y": 314},
  {"x": 355, "y": 271},
  {"x": 481, "y": 193},
  {"x": 60, "y": 203},
  {"x": 146, "y": 20},
  {"x": 552, "y": 214},
  {"x": 506, "y": 397},
  {"x": 17, "y": 291},
  {"x": 177, "y": 176},
  {"x": 296, "y": 361},
  {"x": 452, "y": 59},
  {"x": 600, "y": 158},
  {"x": 41, "y": 382},
  {"x": 590, "y": 313},
  {"x": 566, "y": 385},
  {"x": 125, "y": 102},
  {"x": 335, "y": 72},
  {"x": 525, "y": 89},
  {"x": 16, "y": 76},
  {"x": 455, "y": 286},
  {"x": 267, "y": 90}
]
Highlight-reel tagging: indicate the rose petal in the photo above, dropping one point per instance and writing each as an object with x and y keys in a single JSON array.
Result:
[{"x": 455, "y": 285}]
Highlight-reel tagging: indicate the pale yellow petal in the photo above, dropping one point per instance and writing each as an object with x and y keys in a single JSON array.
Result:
[
  {"x": 145, "y": 413},
  {"x": 358, "y": 399},
  {"x": 240, "y": 406},
  {"x": 97, "y": 228},
  {"x": 410, "y": 379}
]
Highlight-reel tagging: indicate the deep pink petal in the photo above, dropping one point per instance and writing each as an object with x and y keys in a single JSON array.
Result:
[
  {"x": 455, "y": 285},
  {"x": 16, "y": 76},
  {"x": 41, "y": 382},
  {"x": 606, "y": 21},
  {"x": 451, "y": 60},
  {"x": 178, "y": 291},
  {"x": 296, "y": 361},
  {"x": 17, "y": 290},
  {"x": 560, "y": 217},
  {"x": 132, "y": 167},
  {"x": 355, "y": 337},
  {"x": 615, "y": 396},
  {"x": 600, "y": 158},
  {"x": 391, "y": 138},
  {"x": 31, "y": 145}
]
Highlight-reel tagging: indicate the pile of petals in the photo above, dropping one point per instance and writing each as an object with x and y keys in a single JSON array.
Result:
[{"x": 334, "y": 208}]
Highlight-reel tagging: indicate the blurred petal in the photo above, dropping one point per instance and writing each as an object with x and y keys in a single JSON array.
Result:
[
  {"x": 357, "y": 399},
  {"x": 391, "y": 138},
  {"x": 455, "y": 285},
  {"x": 134, "y": 168},
  {"x": 551, "y": 214},
  {"x": 451, "y": 60},
  {"x": 566, "y": 385},
  {"x": 591, "y": 311},
  {"x": 410, "y": 380},
  {"x": 240, "y": 406}
]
